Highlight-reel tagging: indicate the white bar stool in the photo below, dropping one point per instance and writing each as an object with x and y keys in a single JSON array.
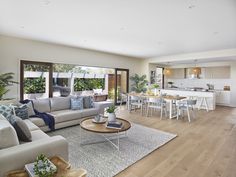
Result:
[{"x": 203, "y": 104}]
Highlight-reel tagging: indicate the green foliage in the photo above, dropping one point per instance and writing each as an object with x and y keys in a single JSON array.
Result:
[
  {"x": 34, "y": 85},
  {"x": 88, "y": 84},
  {"x": 139, "y": 83},
  {"x": 43, "y": 167},
  {"x": 111, "y": 93},
  {"x": 36, "y": 67},
  {"x": 6, "y": 80},
  {"x": 155, "y": 86},
  {"x": 111, "y": 109}
]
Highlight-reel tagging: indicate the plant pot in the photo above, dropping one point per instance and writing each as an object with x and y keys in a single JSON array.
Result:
[{"x": 111, "y": 117}]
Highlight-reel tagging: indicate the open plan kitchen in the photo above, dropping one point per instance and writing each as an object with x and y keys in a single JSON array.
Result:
[{"x": 209, "y": 83}]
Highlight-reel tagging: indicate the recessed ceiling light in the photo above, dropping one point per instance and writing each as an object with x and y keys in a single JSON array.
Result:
[
  {"x": 46, "y": 2},
  {"x": 122, "y": 28},
  {"x": 216, "y": 32},
  {"x": 22, "y": 27}
]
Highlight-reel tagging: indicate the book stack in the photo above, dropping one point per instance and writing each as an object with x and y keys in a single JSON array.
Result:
[{"x": 114, "y": 125}]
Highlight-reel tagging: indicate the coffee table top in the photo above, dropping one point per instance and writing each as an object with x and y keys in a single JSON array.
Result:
[{"x": 88, "y": 125}]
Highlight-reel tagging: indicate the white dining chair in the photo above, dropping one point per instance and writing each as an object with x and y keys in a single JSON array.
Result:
[
  {"x": 123, "y": 99},
  {"x": 188, "y": 106},
  {"x": 136, "y": 102},
  {"x": 154, "y": 104}
]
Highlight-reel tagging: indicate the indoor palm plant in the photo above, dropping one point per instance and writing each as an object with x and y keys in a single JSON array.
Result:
[
  {"x": 139, "y": 83},
  {"x": 6, "y": 80}
]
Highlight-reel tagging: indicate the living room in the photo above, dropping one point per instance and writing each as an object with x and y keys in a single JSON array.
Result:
[{"x": 164, "y": 70}]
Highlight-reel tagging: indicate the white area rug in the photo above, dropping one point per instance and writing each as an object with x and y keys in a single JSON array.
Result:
[{"x": 102, "y": 159}]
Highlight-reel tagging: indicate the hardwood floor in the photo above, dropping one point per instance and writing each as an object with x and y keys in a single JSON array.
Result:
[{"x": 206, "y": 147}]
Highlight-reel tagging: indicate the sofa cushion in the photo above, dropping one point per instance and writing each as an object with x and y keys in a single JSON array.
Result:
[
  {"x": 8, "y": 136},
  {"x": 66, "y": 115},
  {"x": 30, "y": 125},
  {"x": 88, "y": 102},
  {"x": 21, "y": 111},
  {"x": 6, "y": 111},
  {"x": 89, "y": 112},
  {"x": 38, "y": 134},
  {"x": 77, "y": 103},
  {"x": 22, "y": 130},
  {"x": 37, "y": 121},
  {"x": 60, "y": 103},
  {"x": 42, "y": 105},
  {"x": 30, "y": 109}
]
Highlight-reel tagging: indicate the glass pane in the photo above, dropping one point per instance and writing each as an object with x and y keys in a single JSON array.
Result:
[
  {"x": 121, "y": 85},
  {"x": 36, "y": 81}
]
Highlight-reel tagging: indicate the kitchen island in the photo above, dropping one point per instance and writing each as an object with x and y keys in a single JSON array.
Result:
[{"x": 209, "y": 95}]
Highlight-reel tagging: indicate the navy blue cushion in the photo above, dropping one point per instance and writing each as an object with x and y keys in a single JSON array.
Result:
[
  {"x": 77, "y": 103},
  {"x": 22, "y": 111},
  {"x": 88, "y": 102}
]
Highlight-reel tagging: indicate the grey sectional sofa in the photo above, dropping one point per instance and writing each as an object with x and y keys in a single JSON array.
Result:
[{"x": 59, "y": 108}]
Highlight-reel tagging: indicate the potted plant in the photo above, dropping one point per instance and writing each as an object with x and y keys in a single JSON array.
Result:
[
  {"x": 6, "y": 80},
  {"x": 111, "y": 113},
  {"x": 155, "y": 87},
  {"x": 139, "y": 83},
  {"x": 43, "y": 167}
]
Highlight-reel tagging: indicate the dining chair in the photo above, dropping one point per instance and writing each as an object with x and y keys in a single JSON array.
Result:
[
  {"x": 136, "y": 102},
  {"x": 186, "y": 105},
  {"x": 154, "y": 104},
  {"x": 123, "y": 99}
]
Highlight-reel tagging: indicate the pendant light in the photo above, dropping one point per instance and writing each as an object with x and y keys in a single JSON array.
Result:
[
  {"x": 167, "y": 71},
  {"x": 195, "y": 70}
]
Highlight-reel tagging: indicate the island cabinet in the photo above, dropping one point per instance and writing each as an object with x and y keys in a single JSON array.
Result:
[
  {"x": 223, "y": 97},
  {"x": 210, "y": 96}
]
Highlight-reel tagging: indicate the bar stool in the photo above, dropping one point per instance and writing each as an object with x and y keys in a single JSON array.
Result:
[
  {"x": 203, "y": 102},
  {"x": 186, "y": 105}
]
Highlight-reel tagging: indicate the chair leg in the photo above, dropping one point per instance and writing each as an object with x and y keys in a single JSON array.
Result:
[
  {"x": 161, "y": 112},
  {"x": 188, "y": 115},
  {"x": 177, "y": 113}
]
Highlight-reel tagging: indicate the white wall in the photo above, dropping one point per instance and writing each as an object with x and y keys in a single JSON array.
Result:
[{"x": 12, "y": 50}]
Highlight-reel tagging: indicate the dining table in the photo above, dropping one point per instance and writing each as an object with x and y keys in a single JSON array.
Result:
[{"x": 170, "y": 99}]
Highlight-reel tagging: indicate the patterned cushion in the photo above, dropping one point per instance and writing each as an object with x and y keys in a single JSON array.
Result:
[
  {"x": 30, "y": 109},
  {"x": 77, "y": 103},
  {"x": 6, "y": 111},
  {"x": 21, "y": 111},
  {"x": 88, "y": 102}
]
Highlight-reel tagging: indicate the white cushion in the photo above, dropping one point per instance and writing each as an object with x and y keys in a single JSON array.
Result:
[
  {"x": 30, "y": 125},
  {"x": 38, "y": 134},
  {"x": 37, "y": 121},
  {"x": 8, "y": 136},
  {"x": 90, "y": 112},
  {"x": 66, "y": 115},
  {"x": 60, "y": 103},
  {"x": 42, "y": 105}
]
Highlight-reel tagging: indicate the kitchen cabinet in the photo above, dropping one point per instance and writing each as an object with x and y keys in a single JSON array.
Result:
[
  {"x": 177, "y": 73},
  {"x": 223, "y": 97},
  {"x": 222, "y": 72}
]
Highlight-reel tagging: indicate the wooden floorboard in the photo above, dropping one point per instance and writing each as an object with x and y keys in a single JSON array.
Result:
[{"x": 206, "y": 147}]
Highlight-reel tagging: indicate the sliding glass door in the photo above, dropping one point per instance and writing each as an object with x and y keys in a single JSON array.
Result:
[
  {"x": 121, "y": 84},
  {"x": 35, "y": 80}
]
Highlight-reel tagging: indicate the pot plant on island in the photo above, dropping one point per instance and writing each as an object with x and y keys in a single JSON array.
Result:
[{"x": 111, "y": 113}]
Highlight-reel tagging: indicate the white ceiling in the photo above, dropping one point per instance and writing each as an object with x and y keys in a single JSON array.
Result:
[{"x": 139, "y": 28}]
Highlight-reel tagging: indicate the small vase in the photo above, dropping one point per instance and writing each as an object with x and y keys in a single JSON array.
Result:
[{"x": 111, "y": 117}]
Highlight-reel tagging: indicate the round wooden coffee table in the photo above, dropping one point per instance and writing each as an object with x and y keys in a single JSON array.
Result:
[{"x": 88, "y": 125}]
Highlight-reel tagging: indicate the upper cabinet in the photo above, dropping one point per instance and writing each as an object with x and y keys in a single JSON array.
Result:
[
  {"x": 222, "y": 72},
  {"x": 177, "y": 73}
]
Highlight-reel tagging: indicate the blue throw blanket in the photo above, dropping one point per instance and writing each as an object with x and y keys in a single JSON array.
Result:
[{"x": 47, "y": 118}]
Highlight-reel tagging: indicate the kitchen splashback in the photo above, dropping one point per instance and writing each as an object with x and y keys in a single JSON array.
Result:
[{"x": 218, "y": 83}]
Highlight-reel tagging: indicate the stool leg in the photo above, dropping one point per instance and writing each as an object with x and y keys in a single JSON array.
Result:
[
  {"x": 199, "y": 106},
  {"x": 206, "y": 105}
]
